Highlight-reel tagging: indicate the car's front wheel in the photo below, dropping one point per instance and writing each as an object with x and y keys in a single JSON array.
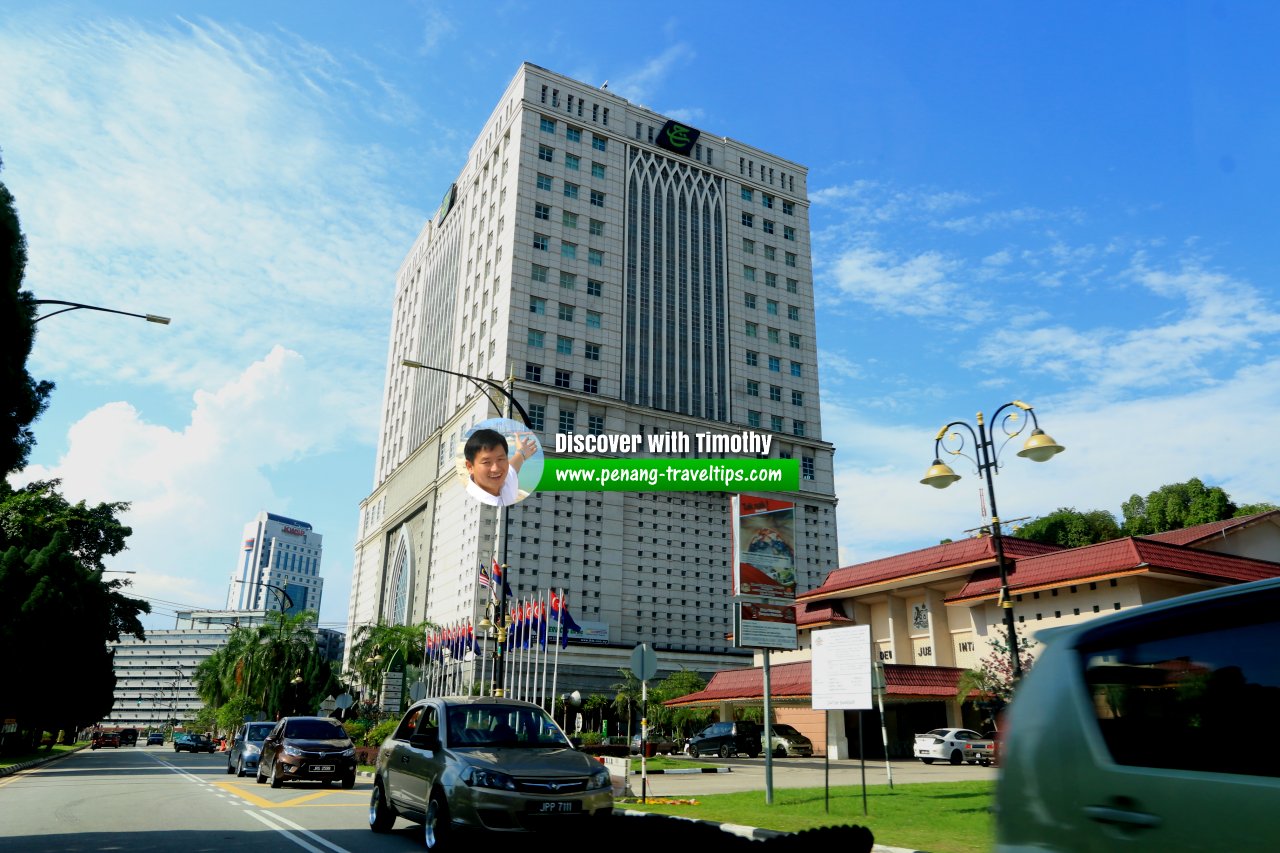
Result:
[
  {"x": 276, "y": 779},
  {"x": 927, "y": 760},
  {"x": 239, "y": 768},
  {"x": 956, "y": 758},
  {"x": 381, "y": 815},
  {"x": 726, "y": 751},
  {"x": 349, "y": 782},
  {"x": 693, "y": 751},
  {"x": 230, "y": 769},
  {"x": 435, "y": 828}
]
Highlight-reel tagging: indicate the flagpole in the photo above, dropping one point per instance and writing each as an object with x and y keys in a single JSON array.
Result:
[
  {"x": 542, "y": 642},
  {"x": 555, "y": 672}
]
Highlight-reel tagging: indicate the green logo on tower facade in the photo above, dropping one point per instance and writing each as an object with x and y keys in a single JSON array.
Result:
[{"x": 678, "y": 138}]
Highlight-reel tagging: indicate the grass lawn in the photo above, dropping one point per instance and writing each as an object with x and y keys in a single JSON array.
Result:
[
  {"x": 662, "y": 762},
  {"x": 941, "y": 817},
  {"x": 10, "y": 760}
]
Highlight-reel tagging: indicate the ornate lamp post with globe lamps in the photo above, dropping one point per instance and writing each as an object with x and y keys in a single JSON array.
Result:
[{"x": 1039, "y": 447}]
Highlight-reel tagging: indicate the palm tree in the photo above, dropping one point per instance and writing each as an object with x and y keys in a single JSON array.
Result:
[
  {"x": 373, "y": 646},
  {"x": 626, "y": 695}
]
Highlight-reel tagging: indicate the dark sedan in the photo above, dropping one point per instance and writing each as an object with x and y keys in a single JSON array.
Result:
[{"x": 192, "y": 743}]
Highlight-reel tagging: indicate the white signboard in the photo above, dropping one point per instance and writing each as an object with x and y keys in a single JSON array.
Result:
[
  {"x": 765, "y": 626},
  {"x": 841, "y": 668}
]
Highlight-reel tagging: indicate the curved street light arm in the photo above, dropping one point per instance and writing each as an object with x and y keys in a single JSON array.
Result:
[
  {"x": 286, "y": 603},
  {"x": 73, "y": 306},
  {"x": 939, "y": 446},
  {"x": 497, "y": 386}
]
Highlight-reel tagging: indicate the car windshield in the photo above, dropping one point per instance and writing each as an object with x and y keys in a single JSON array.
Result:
[
  {"x": 784, "y": 729},
  {"x": 259, "y": 732},
  {"x": 313, "y": 730},
  {"x": 503, "y": 726}
]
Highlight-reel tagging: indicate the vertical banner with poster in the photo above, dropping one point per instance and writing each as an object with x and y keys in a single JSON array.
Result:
[{"x": 764, "y": 552}]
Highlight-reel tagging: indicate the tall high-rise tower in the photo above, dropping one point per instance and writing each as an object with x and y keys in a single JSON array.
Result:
[
  {"x": 278, "y": 552},
  {"x": 627, "y": 275}
]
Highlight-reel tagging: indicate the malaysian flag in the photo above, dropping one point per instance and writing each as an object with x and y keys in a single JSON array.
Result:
[{"x": 486, "y": 581}]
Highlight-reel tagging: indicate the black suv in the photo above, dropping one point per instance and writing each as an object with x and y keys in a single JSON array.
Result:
[{"x": 726, "y": 740}]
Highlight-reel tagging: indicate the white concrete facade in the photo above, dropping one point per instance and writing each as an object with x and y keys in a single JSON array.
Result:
[
  {"x": 619, "y": 287},
  {"x": 280, "y": 552}
]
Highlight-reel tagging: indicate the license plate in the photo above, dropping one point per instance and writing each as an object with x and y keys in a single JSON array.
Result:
[
  {"x": 555, "y": 806},
  {"x": 322, "y": 768}
]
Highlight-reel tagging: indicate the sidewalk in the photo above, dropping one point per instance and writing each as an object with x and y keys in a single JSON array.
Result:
[{"x": 36, "y": 762}]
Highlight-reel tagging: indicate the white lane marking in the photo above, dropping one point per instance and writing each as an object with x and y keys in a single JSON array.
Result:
[
  {"x": 289, "y": 835},
  {"x": 308, "y": 833}
]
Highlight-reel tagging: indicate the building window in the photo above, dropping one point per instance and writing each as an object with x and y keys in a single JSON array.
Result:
[
  {"x": 797, "y": 398},
  {"x": 767, "y": 225},
  {"x": 535, "y": 339},
  {"x": 775, "y": 423},
  {"x": 538, "y": 273},
  {"x": 775, "y": 364},
  {"x": 542, "y": 211},
  {"x": 593, "y": 319},
  {"x": 597, "y": 199},
  {"x": 596, "y": 228},
  {"x": 594, "y": 288},
  {"x": 771, "y": 279},
  {"x": 591, "y": 352},
  {"x": 572, "y": 161},
  {"x": 568, "y": 250},
  {"x": 533, "y": 372},
  {"x": 748, "y": 246},
  {"x": 791, "y": 259},
  {"x": 766, "y": 200},
  {"x": 794, "y": 340},
  {"x": 775, "y": 393},
  {"x": 597, "y": 170},
  {"x": 591, "y": 384},
  {"x": 544, "y": 181},
  {"x": 537, "y": 416},
  {"x": 753, "y": 358},
  {"x": 775, "y": 336},
  {"x": 789, "y": 208},
  {"x": 793, "y": 286},
  {"x": 595, "y": 424},
  {"x": 749, "y": 300},
  {"x": 797, "y": 428},
  {"x": 540, "y": 242},
  {"x": 546, "y": 153},
  {"x": 564, "y": 345},
  {"x": 599, "y": 143},
  {"x": 570, "y": 190},
  {"x": 795, "y": 368},
  {"x": 568, "y": 280},
  {"x": 567, "y": 417},
  {"x": 772, "y": 308},
  {"x": 748, "y": 220},
  {"x": 749, "y": 273},
  {"x": 746, "y": 194},
  {"x": 751, "y": 329},
  {"x": 537, "y": 305},
  {"x": 548, "y": 125},
  {"x": 788, "y": 232},
  {"x": 564, "y": 379},
  {"x": 566, "y": 313},
  {"x": 770, "y": 253},
  {"x": 753, "y": 388},
  {"x": 573, "y": 134},
  {"x": 806, "y": 467},
  {"x": 753, "y": 418},
  {"x": 595, "y": 257},
  {"x": 793, "y": 312}
]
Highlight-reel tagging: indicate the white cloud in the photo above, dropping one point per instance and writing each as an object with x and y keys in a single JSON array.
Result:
[
  {"x": 192, "y": 489},
  {"x": 641, "y": 85},
  {"x": 922, "y": 285}
]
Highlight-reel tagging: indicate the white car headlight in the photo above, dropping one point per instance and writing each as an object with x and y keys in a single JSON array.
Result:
[
  {"x": 292, "y": 750},
  {"x": 481, "y": 778},
  {"x": 600, "y": 777},
  {"x": 349, "y": 752}
]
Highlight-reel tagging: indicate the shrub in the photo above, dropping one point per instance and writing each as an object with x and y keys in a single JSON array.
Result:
[
  {"x": 590, "y": 738},
  {"x": 356, "y": 730},
  {"x": 376, "y": 735}
]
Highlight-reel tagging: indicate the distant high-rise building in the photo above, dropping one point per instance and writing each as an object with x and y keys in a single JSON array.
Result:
[
  {"x": 277, "y": 554},
  {"x": 621, "y": 273}
]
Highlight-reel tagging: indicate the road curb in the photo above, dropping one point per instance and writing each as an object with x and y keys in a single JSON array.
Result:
[
  {"x": 685, "y": 770},
  {"x": 36, "y": 762},
  {"x": 752, "y": 832}
]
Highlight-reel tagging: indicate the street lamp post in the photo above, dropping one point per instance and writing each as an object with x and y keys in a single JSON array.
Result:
[
  {"x": 502, "y": 618},
  {"x": 72, "y": 306},
  {"x": 1039, "y": 447},
  {"x": 286, "y": 602}
]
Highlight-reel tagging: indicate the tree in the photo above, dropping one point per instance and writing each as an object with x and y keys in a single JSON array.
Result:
[
  {"x": 1071, "y": 528},
  {"x": 992, "y": 681},
  {"x": 1175, "y": 506},
  {"x": 57, "y": 614},
  {"x": 677, "y": 722},
  {"x": 372, "y": 647},
  {"x": 1254, "y": 509},
  {"x": 626, "y": 696},
  {"x": 22, "y": 399}
]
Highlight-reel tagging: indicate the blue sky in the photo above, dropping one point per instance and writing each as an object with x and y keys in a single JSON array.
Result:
[{"x": 1071, "y": 204}]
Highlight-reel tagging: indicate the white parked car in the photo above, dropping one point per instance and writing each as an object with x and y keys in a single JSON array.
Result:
[{"x": 956, "y": 746}]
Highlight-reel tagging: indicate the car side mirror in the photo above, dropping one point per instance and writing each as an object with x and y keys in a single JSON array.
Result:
[{"x": 428, "y": 740}]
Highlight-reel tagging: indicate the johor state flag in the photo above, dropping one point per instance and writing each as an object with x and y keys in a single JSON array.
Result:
[
  {"x": 560, "y": 612},
  {"x": 500, "y": 578}
]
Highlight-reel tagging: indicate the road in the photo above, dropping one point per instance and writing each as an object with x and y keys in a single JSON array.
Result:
[
  {"x": 142, "y": 799},
  {"x": 747, "y": 774}
]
